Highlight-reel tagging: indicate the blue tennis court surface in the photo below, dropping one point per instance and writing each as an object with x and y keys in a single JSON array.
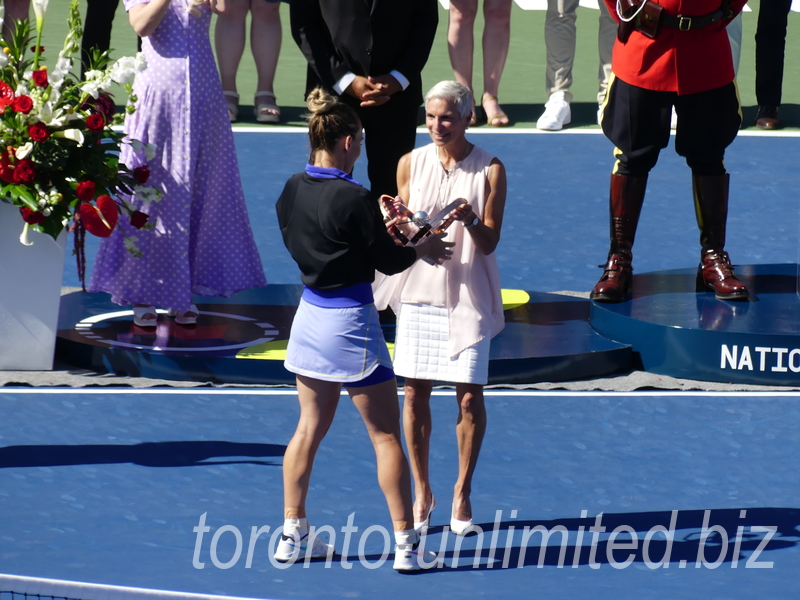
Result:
[
  {"x": 555, "y": 231},
  {"x": 111, "y": 487}
]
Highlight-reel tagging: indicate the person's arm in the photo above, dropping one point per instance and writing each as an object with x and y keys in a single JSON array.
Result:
[
  {"x": 404, "y": 177},
  {"x": 486, "y": 232},
  {"x": 145, "y": 18},
  {"x": 311, "y": 34}
]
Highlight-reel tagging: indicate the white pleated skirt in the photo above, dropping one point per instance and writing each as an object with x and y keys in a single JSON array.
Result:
[{"x": 421, "y": 349}]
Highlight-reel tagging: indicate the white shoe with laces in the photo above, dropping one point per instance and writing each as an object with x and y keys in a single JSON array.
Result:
[
  {"x": 556, "y": 114},
  {"x": 407, "y": 555},
  {"x": 294, "y": 544}
]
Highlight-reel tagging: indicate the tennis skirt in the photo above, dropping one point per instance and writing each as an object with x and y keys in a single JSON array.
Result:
[
  {"x": 336, "y": 344},
  {"x": 421, "y": 348}
]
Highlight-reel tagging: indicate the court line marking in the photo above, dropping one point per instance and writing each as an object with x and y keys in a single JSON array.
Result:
[
  {"x": 487, "y": 392},
  {"x": 60, "y": 588},
  {"x": 513, "y": 131}
]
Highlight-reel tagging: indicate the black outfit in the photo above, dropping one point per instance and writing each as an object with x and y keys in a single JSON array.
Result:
[
  {"x": 770, "y": 45},
  {"x": 97, "y": 28},
  {"x": 637, "y": 121},
  {"x": 370, "y": 38},
  {"x": 335, "y": 233}
]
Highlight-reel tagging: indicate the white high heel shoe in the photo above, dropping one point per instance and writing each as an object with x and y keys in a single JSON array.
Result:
[
  {"x": 460, "y": 527},
  {"x": 422, "y": 526}
]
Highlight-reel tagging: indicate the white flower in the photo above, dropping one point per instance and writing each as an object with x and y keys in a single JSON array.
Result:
[
  {"x": 39, "y": 9},
  {"x": 23, "y": 238},
  {"x": 124, "y": 70},
  {"x": 92, "y": 75},
  {"x": 3, "y": 55},
  {"x": 141, "y": 62},
  {"x": 24, "y": 150},
  {"x": 76, "y": 135},
  {"x": 92, "y": 88}
]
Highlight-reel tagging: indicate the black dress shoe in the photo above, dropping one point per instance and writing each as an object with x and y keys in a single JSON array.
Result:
[{"x": 767, "y": 117}]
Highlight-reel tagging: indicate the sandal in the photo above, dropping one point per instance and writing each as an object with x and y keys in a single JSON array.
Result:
[
  {"x": 145, "y": 316},
  {"x": 266, "y": 110},
  {"x": 232, "y": 104},
  {"x": 185, "y": 317},
  {"x": 498, "y": 119}
]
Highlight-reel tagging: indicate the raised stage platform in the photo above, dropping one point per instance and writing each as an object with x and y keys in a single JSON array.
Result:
[
  {"x": 675, "y": 331},
  {"x": 243, "y": 339}
]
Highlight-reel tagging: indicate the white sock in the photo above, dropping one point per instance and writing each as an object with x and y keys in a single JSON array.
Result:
[
  {"x": 406, "y": 538},
  {"x": 297, "y": 527}
]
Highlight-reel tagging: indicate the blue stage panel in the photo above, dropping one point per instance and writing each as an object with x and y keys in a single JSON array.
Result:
[
  {"x": 242, "y": 340},
  {"x": 678, "y": 332}
]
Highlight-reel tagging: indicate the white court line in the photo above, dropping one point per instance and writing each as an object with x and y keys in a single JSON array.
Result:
[
  {"x": 515, "y": 131},
  {"x": 487, "y": 392},
  {"x": 57, "y": 588}
]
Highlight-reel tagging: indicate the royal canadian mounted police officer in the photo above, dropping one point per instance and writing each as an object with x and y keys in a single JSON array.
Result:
[{"x": 671, "y": 53}]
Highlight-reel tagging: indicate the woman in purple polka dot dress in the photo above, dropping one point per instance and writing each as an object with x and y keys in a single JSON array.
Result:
[{"x": 200, "y": 241}]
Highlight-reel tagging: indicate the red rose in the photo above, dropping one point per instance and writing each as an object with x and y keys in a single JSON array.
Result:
[
  {"x": 41, "y": 49},
  {"x": 6, "y": 94},
  {"x": 95, "y": 122},
  {"x": 141, "y": 175},
  {"x": 31, "y": 217},
  {"x": 40, "y": 78},
  {"x": 139, "y": 219},
  {"x": 38, "y": 132},
  {"x": 99, "y": 220},
  {"x": 85, "y": 190},
  {"x": 104, "y": 104},
  {"x": 25, "y": 171},
  {"x": 22, "y": 104}
]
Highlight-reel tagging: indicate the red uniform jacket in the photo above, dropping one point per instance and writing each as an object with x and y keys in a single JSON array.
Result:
[{"x": 686, "y": 62}]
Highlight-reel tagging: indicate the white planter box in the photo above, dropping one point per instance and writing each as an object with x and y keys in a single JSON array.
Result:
[{"x": 30, "y": 293}]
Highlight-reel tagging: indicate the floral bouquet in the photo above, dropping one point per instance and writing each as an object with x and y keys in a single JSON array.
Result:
[{"x": 59, "y": 149}]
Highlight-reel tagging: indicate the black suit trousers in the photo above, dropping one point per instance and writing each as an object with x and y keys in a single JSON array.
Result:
[
  {"x": 770, "y": 47},
  {"x": 97, "y": 28}
]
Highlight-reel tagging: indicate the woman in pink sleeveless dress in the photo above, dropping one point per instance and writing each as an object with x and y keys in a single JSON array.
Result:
[{"x": 447, "y": 314}]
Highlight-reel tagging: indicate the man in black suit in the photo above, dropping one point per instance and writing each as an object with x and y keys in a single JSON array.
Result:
[{"x": 371, "y": 53}]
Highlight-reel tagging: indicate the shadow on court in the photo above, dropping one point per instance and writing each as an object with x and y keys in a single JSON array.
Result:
[{"x": 148, "y": 454}]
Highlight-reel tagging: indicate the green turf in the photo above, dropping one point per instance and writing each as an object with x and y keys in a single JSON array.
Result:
[{"x": 522, "y": 88}]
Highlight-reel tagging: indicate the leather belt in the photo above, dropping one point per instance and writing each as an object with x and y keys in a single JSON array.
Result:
[{"x": 686, "y": 23}]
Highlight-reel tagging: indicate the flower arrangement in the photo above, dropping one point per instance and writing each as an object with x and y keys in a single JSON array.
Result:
[{"x": 59, "y": 148}]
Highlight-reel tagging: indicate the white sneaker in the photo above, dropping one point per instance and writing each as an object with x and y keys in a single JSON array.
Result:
[
  {"x": 408, "y": 556},
  {"x": 292, "y": 548},
  {"x": 556, "y": 113}
]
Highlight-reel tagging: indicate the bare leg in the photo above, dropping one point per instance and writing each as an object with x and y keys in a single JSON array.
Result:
[
  {"x": 265, "y": 41},
  {"x": 16, "y": 10},
  {"x": 229, "y": 38},
  {"x": 496, "y": 33},
  {"x": 461, "y": 41},
  {"x": 318, "y": 402},
  {"x": 470, "y": 428},
  {"x": 417, "y": 424},
  {"x": 380, "y": 410}
]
